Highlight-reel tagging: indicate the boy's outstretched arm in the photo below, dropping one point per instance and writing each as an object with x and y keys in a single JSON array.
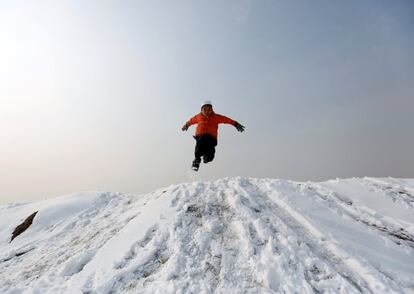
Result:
[
  {"x": 192, "y": 121},
  {"x": 226, "y": 120}
]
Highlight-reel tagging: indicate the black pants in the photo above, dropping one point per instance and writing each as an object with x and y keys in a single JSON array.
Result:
[{"x": 205, "y": 147}]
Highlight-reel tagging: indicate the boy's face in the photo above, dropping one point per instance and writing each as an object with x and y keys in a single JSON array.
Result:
[{"x": 206, "y": 110}]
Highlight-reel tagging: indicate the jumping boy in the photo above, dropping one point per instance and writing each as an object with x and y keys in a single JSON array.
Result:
[{"x": 206, "y": 132}]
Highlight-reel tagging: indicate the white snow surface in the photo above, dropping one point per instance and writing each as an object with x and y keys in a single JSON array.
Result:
[{"x": 234, "y": 235}]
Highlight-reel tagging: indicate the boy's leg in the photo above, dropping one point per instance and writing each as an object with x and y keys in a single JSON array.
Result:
[
  {"x": 210, "y": 149},
  {"x": 198, "y": 152},
  {"x": 205, "y": 147},
  {"x": 196, "y": 164},
  {"x": 199, "y": 148},
  {"x": 209, "y": 156}
]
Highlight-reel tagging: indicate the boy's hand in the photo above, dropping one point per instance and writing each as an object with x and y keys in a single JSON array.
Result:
[
  {"x": 185, "y": 127},
  {"x": 239, "y": 127}
]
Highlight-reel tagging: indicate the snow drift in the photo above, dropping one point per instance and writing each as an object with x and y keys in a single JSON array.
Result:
[{"x": 235, "y": 235}]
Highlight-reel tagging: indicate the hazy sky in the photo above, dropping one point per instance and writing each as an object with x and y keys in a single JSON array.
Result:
[{"x": 93, "y": 94}]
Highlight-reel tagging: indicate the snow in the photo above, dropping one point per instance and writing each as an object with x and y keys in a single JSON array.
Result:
[{"x": 234, "y": 235}]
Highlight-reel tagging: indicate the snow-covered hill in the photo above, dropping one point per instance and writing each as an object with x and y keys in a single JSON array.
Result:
[{"x": 235, "y": 235}]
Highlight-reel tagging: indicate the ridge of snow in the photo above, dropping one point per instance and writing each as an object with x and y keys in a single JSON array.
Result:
[{"x": 234, "y": 235}]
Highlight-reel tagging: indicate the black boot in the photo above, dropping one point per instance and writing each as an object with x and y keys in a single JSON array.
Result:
[
  {"x": 208, "y": 158},
  {"x": 196, "y": 164}
]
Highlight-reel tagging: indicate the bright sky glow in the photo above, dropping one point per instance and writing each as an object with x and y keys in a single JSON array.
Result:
[{"x": 93, "y": 93}]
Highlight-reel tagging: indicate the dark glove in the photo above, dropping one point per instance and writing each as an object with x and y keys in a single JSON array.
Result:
[
  {"x": 185, "y": 127},
  {"x": 239, "y": 127}
]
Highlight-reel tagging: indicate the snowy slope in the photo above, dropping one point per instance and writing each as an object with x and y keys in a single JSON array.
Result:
[{"x": 235, "y": 235}]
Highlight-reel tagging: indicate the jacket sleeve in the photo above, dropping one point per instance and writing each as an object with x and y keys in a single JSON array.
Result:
[
  {"x": 221, "y": 119},
  {"x": 193, "y": 120}
]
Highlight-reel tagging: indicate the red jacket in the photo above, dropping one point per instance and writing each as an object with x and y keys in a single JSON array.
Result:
[{"x": 209, "y": 124}]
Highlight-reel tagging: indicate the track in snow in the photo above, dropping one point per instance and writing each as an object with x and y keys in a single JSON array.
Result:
[{"x": 234, "y": 235}]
